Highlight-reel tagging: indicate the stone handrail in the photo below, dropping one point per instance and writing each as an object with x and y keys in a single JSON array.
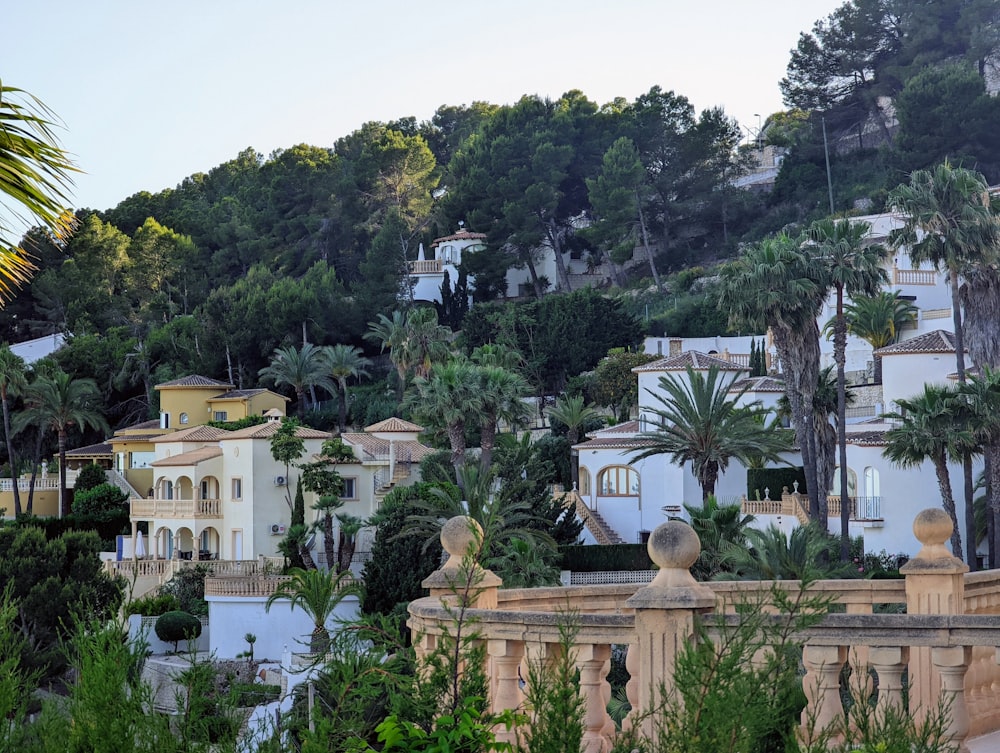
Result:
[
  {"x": 603, "y": 534},
  {"x": 913, "y": 277},
  {"x": 252, "y": 586},
  {"x": 49, "y": 481},
  {"x": 948, "y": 654},
  {"x": 175, "y": 508},
  {"x": 433, "y": 266}
]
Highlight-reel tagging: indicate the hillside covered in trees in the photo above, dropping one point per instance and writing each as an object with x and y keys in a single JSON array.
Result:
[{"x": 310, "y": 243}]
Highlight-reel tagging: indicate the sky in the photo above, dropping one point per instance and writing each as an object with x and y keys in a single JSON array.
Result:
[{"x": 150, "y": 93}]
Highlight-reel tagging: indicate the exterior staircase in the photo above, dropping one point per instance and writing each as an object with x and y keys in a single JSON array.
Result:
[
  {"x": 114, "y": 477},
  {"x": 384, "y": 484},
  {"x": 602, "y": 532}
]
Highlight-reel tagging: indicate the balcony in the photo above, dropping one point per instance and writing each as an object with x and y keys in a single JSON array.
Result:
[
  {"x": 914, "y": 277},
  {"x": 432, "y": 267},
  {"x": 175, "y": 509}
]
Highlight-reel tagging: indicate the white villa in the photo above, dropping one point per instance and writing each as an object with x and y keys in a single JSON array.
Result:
[{"x": 632, "y": 498}]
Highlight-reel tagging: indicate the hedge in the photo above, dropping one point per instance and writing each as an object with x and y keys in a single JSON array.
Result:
[
  {"x": 774, "y": 479},
  {"x": 588, "y": 559}
]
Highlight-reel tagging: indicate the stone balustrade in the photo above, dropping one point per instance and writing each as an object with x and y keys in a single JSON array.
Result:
[
  {"x": 249, "y": 586},
  {"x": 150, "y": 508},
  {"x": 946, "y": 643}
]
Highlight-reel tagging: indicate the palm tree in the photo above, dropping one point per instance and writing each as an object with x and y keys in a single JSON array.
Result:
[
  {"x": 927, "y": 431},
  {"x": 391, "y": 334},
  {"x": 13, "y": 381},
  {"x": 570, "y": 411},
  {"x": 35, "y": 178},
  {"x": 700, "y": 423},
  {"x": 878, "y": 320},
  {"x": 854, "y": 267},
  {"x": 981, "y": 395},
  {"x": 719, "y": 527},
  {"x": 350, "y": 526},
  {"x": 317, "y": 593},
  {"x": 345, "y": 362},
  {"x": 772, "y": 555},
  {"x": 427, "y": 341},
  {"x": 949, "y": 223},
  {"x": 300, "y": 369},
  {"x": 447, "y": 398},
  {"x": 501, "y": 396},
  {"x": 774, "y": 285},
  {"x": 60, "y": 402}
]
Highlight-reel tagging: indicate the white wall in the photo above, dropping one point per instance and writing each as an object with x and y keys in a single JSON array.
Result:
[
  {"x": 905, "y": 374},
  {"x": 233, "y": 617}
]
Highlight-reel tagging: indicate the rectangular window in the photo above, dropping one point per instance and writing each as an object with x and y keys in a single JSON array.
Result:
[
  {"x": 350, "y": 489},
  {"x": 141, "y": 459},
  {"x": 237, "y": 488},
  {"x": 220, "y": 415}
]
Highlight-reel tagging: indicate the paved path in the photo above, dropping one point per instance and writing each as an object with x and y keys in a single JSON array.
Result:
[{"x": 986, "y": 744}]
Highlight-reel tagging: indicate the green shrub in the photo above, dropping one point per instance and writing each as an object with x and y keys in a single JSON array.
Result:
[
  {"x": 588, "y": 559},
  {"x": 188, "y": 586},
  {"x": 90, "y": 476},
  {"x": 153, "y": 606},
  {"x": 177, "y": 626},
  {"x": 99, "y": 499},
  {"x": 774, "y": 479},
  {"x": 254, "y": 694}
]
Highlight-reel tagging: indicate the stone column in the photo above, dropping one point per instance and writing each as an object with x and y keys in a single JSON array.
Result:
[
  {"x": 506, "y": 659},
  {"x": 935, "y": 584},
  {"x": 664, "y": 613}
]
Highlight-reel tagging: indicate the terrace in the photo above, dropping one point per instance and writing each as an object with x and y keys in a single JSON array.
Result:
[{"x": 947, "y": 640}]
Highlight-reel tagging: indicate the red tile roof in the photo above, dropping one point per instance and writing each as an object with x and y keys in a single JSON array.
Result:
[
  {"x": 393, "y": 424},
  {"x": 195, "y": 380},
  {"x": 694, "y": 359},
  {"x": 461, "y": 235},
  {"x": 938, "y": 341}
]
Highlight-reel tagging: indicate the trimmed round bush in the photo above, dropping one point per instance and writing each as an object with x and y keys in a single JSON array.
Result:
[{"x": 177, "y": 626}]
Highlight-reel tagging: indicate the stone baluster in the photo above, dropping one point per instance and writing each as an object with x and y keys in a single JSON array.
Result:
[
  {"x": 935, "y": 584},
  {"x": 824, "y": 712},
  {"x": 632, "y": 666},
  {"x": 951, "y": 663},
  {"x": 889, "y": 663},
  {"x": 592, "y": 661},
  {"x": 664, "y": 614},
  {"x": 506, "y": 657}
]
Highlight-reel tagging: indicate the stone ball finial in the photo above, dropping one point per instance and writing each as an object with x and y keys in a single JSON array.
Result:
[
  {"x": 458, "y": 536},
  {"x": 673, "y": 546},
  {"x": 933, "y": 527}
]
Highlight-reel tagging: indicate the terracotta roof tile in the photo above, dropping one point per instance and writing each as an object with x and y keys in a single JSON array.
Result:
[
  {"x": 91, "y": 450},
  {"x": 192, "y": 457},
  {"x": 759, "y": 384},
  {"x": 376, "y": 448},
  {"x": 938, "y": 341},
  {"x": 194, "y": 434},
  {"x": 605, "y": 443},
  {"x": 692, "y": 358},
  {"x": 266, "y": 430},
  {"x": 243, "y": 395},
  {"x": 195, "y": 380},
  {"x": 461, "y": 235},
  {"x": 867, "y": 438},
  {"x": 393, "y": 424}
]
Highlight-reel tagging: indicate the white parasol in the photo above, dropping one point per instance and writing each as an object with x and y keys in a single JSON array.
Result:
[{"x": 140, "y": 546}]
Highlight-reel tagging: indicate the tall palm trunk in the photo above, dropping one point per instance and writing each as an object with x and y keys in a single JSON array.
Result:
[
  {"x": 456, "y": 438},
  {"x": 10, "y": 448},
  {"x": 488, "y": 435},
  {"x": 342, "y": 417},
  {"x": 969, "y": 485},
  {"x": 709, "y": 476},
  {"x": 948, "y": 502},
  {"x": 840, "y": 356},
  {"x": 329, "y": 546}
]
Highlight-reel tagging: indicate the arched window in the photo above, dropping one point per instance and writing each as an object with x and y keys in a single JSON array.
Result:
[
  {"x": 168, "y": 489},
  {"x": 872, "y": 483},
  {"x": 584, "y": 483},
  {"x": 184, "y": 418},
  {"x": 618, "y": 481},
  {"x": 852, "y": 482}
]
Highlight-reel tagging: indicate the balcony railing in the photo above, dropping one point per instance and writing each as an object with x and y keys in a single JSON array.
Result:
[
  {"x": 175, "y": 508},
  {"x": 946, "y": 642},
  {"x": 914, "y": 277},
  {"x": 434, "y": 266}
]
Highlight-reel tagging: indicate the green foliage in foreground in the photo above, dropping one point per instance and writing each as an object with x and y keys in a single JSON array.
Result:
[{"x": 176, "y": 626}]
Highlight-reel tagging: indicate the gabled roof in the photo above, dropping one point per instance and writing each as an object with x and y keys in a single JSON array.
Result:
[
  {"x": 192, "y": 457},
  {"x": 461, "y": 235},
  {"x": 194, "y": 434},
  {"x": 626, "y": 427},
  {"x": 866, "y": 438},
  {"x": 758, "y": 384},
  {"x": 938, "y": 341},
  {"x": 611, "y": 443},
  {"x": 377, "y": 448},
  {"x": 91, "y": 450},
  {"x": 143, "y": 426},
  {"x": 393, "y": 424},
  {"x": 244, "y": 394},
  {"x": 195, "y": 380},
  {"x": 691, "y": 358},
  {"x": 267, "y": 430}
]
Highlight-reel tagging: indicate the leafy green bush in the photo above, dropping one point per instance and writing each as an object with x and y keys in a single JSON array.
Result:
[
  {"x": 99, "y": 499},
  {"x": 188, "y": 586},
  {"x": 153, "y": 606},
  {"x": 176, "y": 626},
  {"x": 588, "y": 559},
  {"x": 90, "y": 476}
]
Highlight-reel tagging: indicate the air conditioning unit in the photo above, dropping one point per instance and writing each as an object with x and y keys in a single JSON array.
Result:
[
  {"x": 277, "y": 529},
  {"x": 280, "y": 480}
]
